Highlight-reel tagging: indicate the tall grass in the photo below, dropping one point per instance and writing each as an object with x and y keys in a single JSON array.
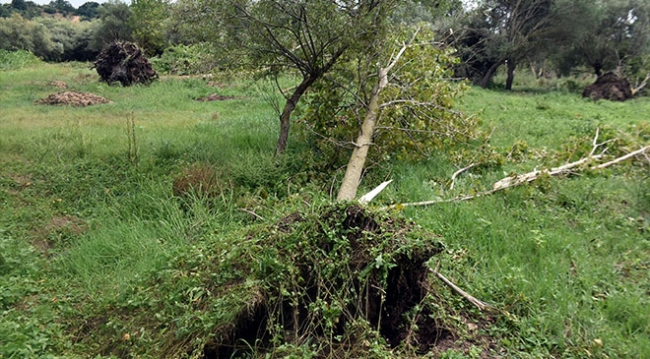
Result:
[{"x": 565, "y": 260}]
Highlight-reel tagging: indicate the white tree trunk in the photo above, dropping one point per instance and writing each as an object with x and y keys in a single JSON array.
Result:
[{"x": 352, "y": 178}]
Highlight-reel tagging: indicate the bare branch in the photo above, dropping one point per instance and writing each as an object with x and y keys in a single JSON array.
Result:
[
  {"x": 453, "y": 177},
  {"x": 478, "y": 303}
]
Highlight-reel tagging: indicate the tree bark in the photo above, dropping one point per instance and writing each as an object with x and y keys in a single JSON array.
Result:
[
  {"x": 485, "y": 80},
  {"x": 353, "y": 172},
  {"x": 512, "y": 64},
  {"x": 285, "y": 117}
]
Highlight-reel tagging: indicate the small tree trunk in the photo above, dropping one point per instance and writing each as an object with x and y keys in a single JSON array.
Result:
[
  {"x": 485, "y": 80},
  {"x": 285, "y": 117},
  {"x": 511, "y": 74},
  {"x": 353, "y": 172}
]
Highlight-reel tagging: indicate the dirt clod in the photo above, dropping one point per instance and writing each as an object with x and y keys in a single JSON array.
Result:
[{"x": 71, "y": 98}]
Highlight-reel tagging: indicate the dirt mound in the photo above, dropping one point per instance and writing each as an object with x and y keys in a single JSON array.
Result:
[
  {"x": 126, "y": 63},
  {"x": 609, "y": 87},
  {"x": 215, "y": 97},
  {"x": 71, "y": 98}
]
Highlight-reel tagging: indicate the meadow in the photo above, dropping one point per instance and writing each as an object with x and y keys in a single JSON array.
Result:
[{"x": 101, "y": 241}]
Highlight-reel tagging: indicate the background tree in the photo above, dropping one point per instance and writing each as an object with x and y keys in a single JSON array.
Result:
[
  {"x": 502, "y": 32},
  {"x": 17, "y": 33},
  {"x": 147, "y": 22},
  {"x": 603, "y": 35},
  {"x": 19, "y": 5},
  {"x": 62, "y": 6},
  {"x": 297, "y": 35},
  {"x": 113, "y": 25},
  {"x": 88, "y": 10}
]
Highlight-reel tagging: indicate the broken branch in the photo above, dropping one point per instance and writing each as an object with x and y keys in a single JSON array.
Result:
[
  {"x": 453, "y": 177},
  {"x": 513, "y": 181},
  {"x": 478, "y": 303}
]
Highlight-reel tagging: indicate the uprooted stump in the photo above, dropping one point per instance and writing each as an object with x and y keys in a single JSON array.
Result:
[
  {"x": 609, "y": 87},
  {"x": 71, "y": 98},
  {"x": 347, "y": 274},
  {"x": 126, "y": 63}
]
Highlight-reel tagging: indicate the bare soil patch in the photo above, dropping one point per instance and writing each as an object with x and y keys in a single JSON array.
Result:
[
  {"x": 71, "y": 98},
  {"x": 58, "y": 229}
]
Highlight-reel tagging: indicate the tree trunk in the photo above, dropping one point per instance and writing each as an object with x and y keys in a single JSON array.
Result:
[
  {"x": 285, "y": 117},
  {"x": 353, "y": 172},
  {"x": 511, "y": 74},
  {"x": 485, "y": 80}
]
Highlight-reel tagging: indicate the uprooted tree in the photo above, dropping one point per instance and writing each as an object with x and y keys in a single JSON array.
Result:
[{"x": 126, "y": 63}]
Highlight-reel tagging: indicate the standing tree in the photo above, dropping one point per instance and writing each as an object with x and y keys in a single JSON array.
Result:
[
  {"x": 309, "y": 37},
  {"x": 502, "y": 32},
  {"x": 88, "y": 10},
  {"x": 604, "y": 35},
  {"x": 62, "y": 6},
  {"x": 147, "y": 21},
  {"x": 113, "y": 25}
]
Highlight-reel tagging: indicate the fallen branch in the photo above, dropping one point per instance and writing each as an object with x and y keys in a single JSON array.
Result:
[
  {"x": 478, "y": 303},
  {"x": 453, "y": 177},
  {"x": 641, "y": 86},
  {"x": 252, "y": 213},
  {"x": 622, "y": 158},
  {"x": 513, "y": 181}
]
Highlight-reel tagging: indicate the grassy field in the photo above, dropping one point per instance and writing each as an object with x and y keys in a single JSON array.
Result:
[{"x": 104, "y": 252}]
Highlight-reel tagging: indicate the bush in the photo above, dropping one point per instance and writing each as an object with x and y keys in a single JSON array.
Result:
[
  {"x": 186, "y": 60},
  {"x": 13, "y": 60}
]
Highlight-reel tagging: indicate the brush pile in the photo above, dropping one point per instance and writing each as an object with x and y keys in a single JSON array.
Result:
[{"x": 126, "y": 63}]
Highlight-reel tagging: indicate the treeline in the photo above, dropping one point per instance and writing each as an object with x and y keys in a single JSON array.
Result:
[
  {"x": 550, "y": 37},
  {"x": 60, "y": 32}
]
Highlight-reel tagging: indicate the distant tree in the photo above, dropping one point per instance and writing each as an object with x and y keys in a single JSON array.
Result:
[
  {"x": 113, "y": 25},
  {"x": 28, "y": 9},
  {"x": 72, "y": 40},
  {"x": 17, "y": 33},
  {"x": 5, "y": 10},
  {"x": 148, "y": 23},
  {"x": 410, "y": 12},
  {"x": 88, "y": 11},
  {"x": 62, "y": 6},
  {"x": 19, "y": 5},
  {"x": 502, "y": 32},
  {"x": 604, "y": 35}
]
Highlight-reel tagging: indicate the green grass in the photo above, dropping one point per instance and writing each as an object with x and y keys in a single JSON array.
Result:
[{"x": 93, "y": 246}]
